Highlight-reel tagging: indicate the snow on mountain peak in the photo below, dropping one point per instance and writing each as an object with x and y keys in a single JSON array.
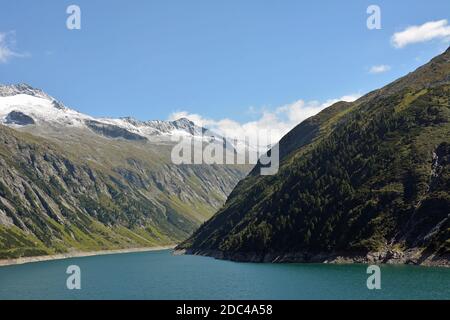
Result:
[
  {"x": 23, "y": 88},
  {"x": 23, "y": 105},
  {"x": 37, "y": 105}
]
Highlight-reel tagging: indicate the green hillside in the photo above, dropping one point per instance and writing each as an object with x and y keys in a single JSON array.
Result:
[
  {"x": 78, "y": 191},
  {"x": 364, "y": 181}
]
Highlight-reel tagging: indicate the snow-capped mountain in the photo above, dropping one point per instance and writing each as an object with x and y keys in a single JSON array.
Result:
[
  {"x": 22, "y": 105},
  {"x": 15, "y": 89},
  {"x": 26, "y": 108},
  {"x": 24, "y": 102},
  {"x": 111, "y": 182}
]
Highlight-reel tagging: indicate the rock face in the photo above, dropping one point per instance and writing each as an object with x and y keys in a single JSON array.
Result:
[
  {"x": 112, "y": 131},
  {"x": 367, "y": 181},
  {"x": 69, "y": 181},
  {"x": 18, "y": 118}
]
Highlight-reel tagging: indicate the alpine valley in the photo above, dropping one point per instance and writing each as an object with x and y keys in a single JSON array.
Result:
[
  {"x": 74, "y": 183},
  {"x": 364, "y": 181}
]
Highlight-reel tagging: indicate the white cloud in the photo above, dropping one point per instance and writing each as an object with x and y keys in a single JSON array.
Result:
[
  {"x": 7, "y": 42},
  {"x": 379, "y": 69},
  {"x": 278, "y": 121},
  {"x": 425, "y": 32}
]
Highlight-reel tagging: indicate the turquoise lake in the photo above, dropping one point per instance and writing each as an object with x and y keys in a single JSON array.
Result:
[{"x": 160, "y": 275}]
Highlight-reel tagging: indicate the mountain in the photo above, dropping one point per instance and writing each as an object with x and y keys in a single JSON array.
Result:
[
  {"x": 24, "y": 103},
  {"x": 365, "y": 181},
  {"x": 72, "y": 182}
]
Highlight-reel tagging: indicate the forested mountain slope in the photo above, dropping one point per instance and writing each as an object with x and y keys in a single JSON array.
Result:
[{"x": 364, "y": 181}]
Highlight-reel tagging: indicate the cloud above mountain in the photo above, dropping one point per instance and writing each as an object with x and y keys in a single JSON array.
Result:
[
  {"x": 7, "y": 44},
  {"x": 421, "y": 33},
  {"x": 277, "y": 122},
  {"x": 379, "y": 69}
]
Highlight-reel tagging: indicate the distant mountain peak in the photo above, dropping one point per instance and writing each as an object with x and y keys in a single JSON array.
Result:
[
  {"x": 132, "y": 121},
  {"x": 184, "y": 121},
  {"x": 22, "y": 105},
  {"x": 22, "y": 88}
]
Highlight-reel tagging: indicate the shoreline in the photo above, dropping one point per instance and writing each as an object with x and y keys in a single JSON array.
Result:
[
  {"x": 412, "y": 257},
  {"x": 78, "y": 254}
]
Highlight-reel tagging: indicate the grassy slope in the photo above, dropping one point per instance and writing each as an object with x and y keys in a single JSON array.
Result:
[{"x": 60, "y": 195}]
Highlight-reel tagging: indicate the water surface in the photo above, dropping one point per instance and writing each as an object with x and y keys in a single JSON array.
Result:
[{"x": 160, "y": 275}]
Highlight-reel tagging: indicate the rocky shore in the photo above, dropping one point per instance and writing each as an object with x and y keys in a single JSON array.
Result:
[{"x": 410, "y": 257}]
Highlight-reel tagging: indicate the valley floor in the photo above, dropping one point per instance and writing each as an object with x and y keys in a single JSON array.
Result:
[{"x": 7, "y": 262}]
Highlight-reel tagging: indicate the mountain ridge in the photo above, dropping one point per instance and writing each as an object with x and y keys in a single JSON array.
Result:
[
  {"x": 365, "y": 181},
  {"x": 65, "y": 186},
  {"x": 21, "y": 100}
]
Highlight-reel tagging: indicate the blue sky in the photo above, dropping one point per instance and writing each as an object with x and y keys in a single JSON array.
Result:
[{"x": 215, "y": 59}]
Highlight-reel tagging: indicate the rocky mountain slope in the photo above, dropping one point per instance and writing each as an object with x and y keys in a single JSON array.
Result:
[
  {"x": 69, "y": 181},
  {"x": 366, "y": 181}
]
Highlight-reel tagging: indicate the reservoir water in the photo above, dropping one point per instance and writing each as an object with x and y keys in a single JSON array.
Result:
[{"x": 161, "y": 275}]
